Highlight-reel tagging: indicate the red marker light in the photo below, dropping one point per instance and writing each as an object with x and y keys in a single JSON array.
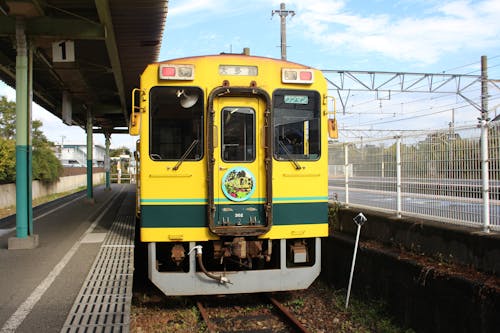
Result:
[
  {"x": 297, "y": 76},
  {"x": 176, "y": 72},
  {"x": 305, "y": 76},
  {"x": 168, "y": 71}
]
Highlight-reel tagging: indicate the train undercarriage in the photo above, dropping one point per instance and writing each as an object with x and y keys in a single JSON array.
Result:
[{"x": 234, "y": 265}]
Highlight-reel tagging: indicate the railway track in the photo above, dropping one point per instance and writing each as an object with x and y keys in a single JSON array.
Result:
[{"x": 256, "y": 313}]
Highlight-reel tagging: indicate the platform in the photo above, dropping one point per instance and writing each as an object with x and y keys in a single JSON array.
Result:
[{"x": 80, "y": 276}]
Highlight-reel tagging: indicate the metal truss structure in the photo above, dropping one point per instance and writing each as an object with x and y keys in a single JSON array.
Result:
[{"x": 384, "y": 83}]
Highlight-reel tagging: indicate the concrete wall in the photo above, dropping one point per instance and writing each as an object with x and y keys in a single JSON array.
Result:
[
  {"x": 408, "y": 263},
  {"x": 442, "y": 241},
  {"x": 68, "y": 183},
  {"x": 425, "y": 299}
]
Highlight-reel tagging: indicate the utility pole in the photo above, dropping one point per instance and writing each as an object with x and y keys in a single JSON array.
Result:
[
  {"x": 283, "y": 13},
  {"x": 484, "y": 88}
]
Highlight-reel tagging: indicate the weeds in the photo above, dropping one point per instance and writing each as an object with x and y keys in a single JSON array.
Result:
[
  {"x": 333, "y": 210},
  {"x": 296, "y": 303}
]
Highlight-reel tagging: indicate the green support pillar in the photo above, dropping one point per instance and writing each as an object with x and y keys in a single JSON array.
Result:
[
  {"x": 30, "y": 144},
  {"x": 107, "y": 162},
  {"x": 21, "y": 132},
  {"x": 24, "y": 238},
  {"x": 90, "y": 189}
]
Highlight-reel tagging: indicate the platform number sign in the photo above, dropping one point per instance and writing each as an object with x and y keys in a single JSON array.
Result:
[{"x": 63, "y": 51}]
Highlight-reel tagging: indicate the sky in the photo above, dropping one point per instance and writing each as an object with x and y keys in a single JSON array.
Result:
[{"x": 424, "y": 36}]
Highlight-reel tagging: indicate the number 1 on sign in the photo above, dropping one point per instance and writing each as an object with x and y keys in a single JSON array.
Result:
[{"x": 63, "y": 51}]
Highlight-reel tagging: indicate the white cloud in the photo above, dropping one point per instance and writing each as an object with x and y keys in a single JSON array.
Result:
[
  {"x": 192, "y": 12},
  {"x": 180, "y": 8},
  {"x": 423, "y": 38}
]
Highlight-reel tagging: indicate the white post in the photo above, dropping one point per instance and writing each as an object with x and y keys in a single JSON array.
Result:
[
  {"x": 483, "y": 121},
  {"x": 346, "y": 172},
  {"x": 485, "y": 176},
  {"x": 359, "y": 220},
  {"x": 398, "y": 177}
]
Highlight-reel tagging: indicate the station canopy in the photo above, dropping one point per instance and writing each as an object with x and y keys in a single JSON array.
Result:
[{"x": 89, "y": 53}]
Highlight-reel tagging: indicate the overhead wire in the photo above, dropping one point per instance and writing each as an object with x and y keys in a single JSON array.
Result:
[
  {"x": 407, "y": 112},
  {"x": 414, "y": 117},
  {"x": 406, "y": 103},
  {"x": 400, "y": 93},
  {"x": 448, "y": 109},
  {"x": 449, "y": 106},
  {"x": 457, "y": 105}
]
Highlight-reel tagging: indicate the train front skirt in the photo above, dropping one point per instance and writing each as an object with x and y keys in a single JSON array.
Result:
[{"x": 196, "y": 282}]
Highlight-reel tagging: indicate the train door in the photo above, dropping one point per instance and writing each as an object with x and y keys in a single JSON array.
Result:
[{"x": 239, "y": 173}]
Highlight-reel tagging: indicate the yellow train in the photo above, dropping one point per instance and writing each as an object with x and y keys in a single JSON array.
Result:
[{"x": 233, "y": 185}]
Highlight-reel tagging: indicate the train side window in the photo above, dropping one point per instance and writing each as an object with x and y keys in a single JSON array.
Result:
[
  {"x": 238, "y": 134},
  {"x": 297, "y": 125},
  {"x": 176, "y": 126}
]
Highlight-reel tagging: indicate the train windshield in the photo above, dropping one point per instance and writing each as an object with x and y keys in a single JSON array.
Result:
[
  {"x": 176, "y": 124},
  {"x": 238, "y": 134},
  {"x": 296, "y": 120}
]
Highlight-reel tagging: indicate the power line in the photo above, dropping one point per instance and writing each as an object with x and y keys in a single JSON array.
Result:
[
  {"x": 448, "y": 108},
  {"x": 478, "y": 63},
  {"x": 406, "y": 103},
  {"x": 459, "y": 67},
  {"x": 410, "y": 118},
  {"x": 463, "y": 86}
]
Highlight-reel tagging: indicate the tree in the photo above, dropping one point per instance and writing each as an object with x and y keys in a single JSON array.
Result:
[
  {"x": 7, "y": 160},
  {"x": 124, "y": 163},
  {"x": 46, "y": 166},
  {"x": 7, "y": 143},
  {"x": 119, "y": 151},
  {"x": 7, "y": 119}
]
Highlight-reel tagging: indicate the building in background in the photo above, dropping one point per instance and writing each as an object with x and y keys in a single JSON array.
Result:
[{"x": 75, "y": 155}]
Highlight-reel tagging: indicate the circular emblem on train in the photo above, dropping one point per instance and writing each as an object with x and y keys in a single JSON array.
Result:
[{"x": 238, "y": 184}]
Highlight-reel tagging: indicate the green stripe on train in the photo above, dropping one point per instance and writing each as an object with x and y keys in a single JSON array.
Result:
[
  {"x": 174, "y": 216},
  {"x": 300, "y": 213},
  {"x": 227, "y": 201}
]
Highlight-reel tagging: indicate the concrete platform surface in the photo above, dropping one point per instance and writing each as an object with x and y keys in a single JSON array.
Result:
[{"x": 38, "y": 286}]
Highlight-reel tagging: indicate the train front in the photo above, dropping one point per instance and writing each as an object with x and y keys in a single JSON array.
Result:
[{"x": 233, "y": 173}]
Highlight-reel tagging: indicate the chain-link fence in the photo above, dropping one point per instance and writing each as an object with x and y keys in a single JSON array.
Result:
[{"x": 449, "y": 175}]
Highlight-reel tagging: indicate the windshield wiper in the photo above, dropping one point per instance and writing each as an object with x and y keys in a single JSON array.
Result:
[
  {"x": 289, "y": 155},
  {"x": 186, "y": 154}
]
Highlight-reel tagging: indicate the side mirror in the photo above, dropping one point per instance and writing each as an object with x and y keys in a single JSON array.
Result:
[
  {"x": 134, "y": 127},
  {"x": 135, "y": 124},
  {"x": 333, "y": 130},
  {"x": 137, "y": 154}
]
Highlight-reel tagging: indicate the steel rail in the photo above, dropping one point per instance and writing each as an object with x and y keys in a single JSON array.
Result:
[
  {"x": 206, "y": 318},
  {"x": 289, "y": 315},
  {"x": 283, "y": 312}
]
